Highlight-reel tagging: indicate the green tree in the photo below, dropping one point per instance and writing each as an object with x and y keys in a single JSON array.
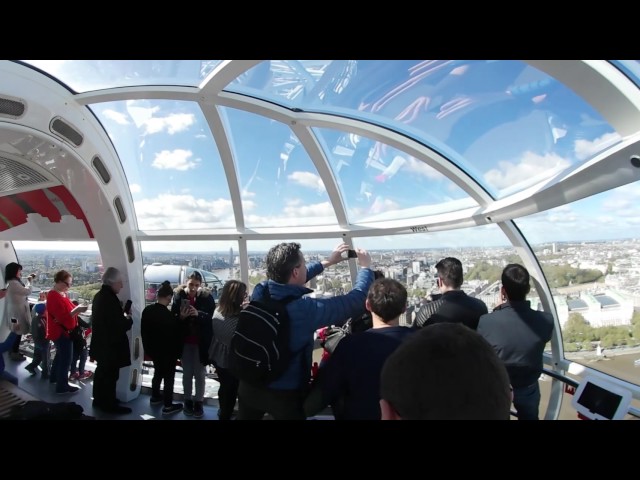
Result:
[
  {"x": 571, "y": 347},
  {"x": 485, "y": 271},
  {"x": 576, "y": 329},
  {"x": 87, "y": 292}
]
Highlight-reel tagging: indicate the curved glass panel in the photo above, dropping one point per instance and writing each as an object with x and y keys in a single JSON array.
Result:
[
  {"x": 411, "y": 259},
  {"x": 506, "y": 123},
  {"x": 591, "y": 259},
  {"x": 86, "y": 75},
  {"x": 631, "y": 69},
  {"x": 379, "y": 182},
  {"x": 280, "y": 186},
  {"x": 312, "y": 249},
  {"x": 171, "y": 162}
]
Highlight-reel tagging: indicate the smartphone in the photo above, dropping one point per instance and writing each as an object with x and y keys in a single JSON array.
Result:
[
  {"x": 14, "y": 320},
  {"x": 352, "y": 254},
  {"x": 185, "y": 304},
  {"x": 127, "y": 307}
]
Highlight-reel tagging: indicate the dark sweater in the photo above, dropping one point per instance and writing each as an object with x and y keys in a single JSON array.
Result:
[
  {"x": 452, "y": 306},
  {"x": 351, "y": 376},
  {"x": 518, "y": 334}
]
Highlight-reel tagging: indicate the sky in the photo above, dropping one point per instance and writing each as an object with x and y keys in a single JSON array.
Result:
[{"x": 508, "y": 125}]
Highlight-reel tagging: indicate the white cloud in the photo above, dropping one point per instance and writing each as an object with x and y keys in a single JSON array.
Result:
[
  {"x": 135, "y": 188},
  {"x": 173, "y": 123},
  {"x": 323, "y": 209},
  {"x": 381, "y": 205},
  {"x": 416, "y": 166},
  {"x": 308, "y": 179},
  {"x": 294, "y": 215},
  {"x": 587, "y": 148},
  {"x": 605, "y": 220},
  {"x": 119, "y": 118},
  {"x": 531, "y": 169},
  {"x": 168, "y": 211},
  {"x": 178, "y": 159},
  {"x": 140, "y": 114},
  {"x": 89, "y": 246}
]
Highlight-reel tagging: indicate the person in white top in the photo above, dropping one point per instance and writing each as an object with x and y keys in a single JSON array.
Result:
[{"x": 17, "y": 305}]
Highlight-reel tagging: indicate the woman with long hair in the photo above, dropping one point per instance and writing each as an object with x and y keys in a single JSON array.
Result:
[
  {"x": 225, "y": 318},
  {"x": 62, "y": 318},
  {"x": 17, "y": 305}
]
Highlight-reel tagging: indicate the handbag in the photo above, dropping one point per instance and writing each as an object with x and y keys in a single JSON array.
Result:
[{"x": 333, "y": 335}]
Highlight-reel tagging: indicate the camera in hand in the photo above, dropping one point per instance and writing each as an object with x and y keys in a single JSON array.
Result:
[{"x": 349, "y": 254}]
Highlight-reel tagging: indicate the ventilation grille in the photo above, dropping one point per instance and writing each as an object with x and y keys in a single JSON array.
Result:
[
  {"x": 131, "y": 256},
  {"x": 15, "y": 175},
  {"x": 101, "y": 168},
  {"x": 120, "y": 209},
  {"x": 11, "y": 107},
  {"x": 66, "y": 131}
]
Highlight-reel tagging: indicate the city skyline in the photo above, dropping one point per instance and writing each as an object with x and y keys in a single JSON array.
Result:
[{"x": 307, "y": 244}]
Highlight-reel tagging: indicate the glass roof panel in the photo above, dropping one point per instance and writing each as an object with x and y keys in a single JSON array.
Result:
[
  {"x": 86, "y": 75},
  {"x": 171, "y": 162},
  {"x": 589, "y": 249},
  {"x": 631, "y": 69},
  {"x": 279, "y": 185},
  {"x": 379, "y": 182},
  {"x": 506, "y": 123}
]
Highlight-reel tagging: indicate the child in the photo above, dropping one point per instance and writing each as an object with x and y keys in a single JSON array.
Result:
[
  {"x": 80, "y": 351},
  {"x": 6, "y": 346},
  {"x": 41, "y": 345}
]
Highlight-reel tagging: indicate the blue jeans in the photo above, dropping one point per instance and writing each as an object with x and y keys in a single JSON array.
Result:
[
  {"x": 41, "y": 353},
  {"x": 526, "y": 400},
  {"x": 61, "y": 363}
]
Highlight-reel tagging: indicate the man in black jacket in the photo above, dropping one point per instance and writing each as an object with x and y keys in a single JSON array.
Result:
[
  {"x": 109, "y": 342},
  {"x": 519, "y": 334},
  {"x": 453, "y": 305}
]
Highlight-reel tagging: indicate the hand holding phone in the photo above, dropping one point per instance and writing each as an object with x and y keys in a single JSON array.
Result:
[{"x": 349, "y": 254}]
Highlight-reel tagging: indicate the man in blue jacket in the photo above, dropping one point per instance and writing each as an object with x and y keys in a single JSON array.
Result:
[{"x": 284, "y": 398}]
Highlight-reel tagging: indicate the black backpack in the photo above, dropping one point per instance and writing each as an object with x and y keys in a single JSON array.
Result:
[
  {"x": 260, "y": 350},
  {"x": 39, "y": 410}
]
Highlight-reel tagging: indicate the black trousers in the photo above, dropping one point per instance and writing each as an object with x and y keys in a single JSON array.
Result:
[
  {"x": 15, "y": 347},
  {"x": 164, "y": 369},
  {"x": 227, "y": 393},
  {"x": 104, "y": 384}
]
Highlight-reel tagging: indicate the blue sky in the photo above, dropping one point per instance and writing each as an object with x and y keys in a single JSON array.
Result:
[{"x": 506, "y": 123}]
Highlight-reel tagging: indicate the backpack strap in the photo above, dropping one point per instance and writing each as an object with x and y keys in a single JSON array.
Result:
[{"x": 286, "y": 300}]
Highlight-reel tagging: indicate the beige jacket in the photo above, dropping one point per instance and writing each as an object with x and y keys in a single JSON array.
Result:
[{"x": 17, "y": 305}]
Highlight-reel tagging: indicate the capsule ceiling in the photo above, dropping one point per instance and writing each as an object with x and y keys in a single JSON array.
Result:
[{"x": 352, "y": 145}]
